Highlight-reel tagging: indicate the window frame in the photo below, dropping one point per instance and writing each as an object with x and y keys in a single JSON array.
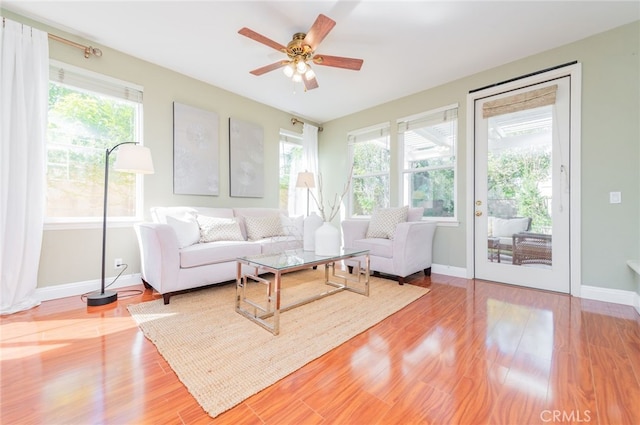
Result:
[
  {"x": 352, "y": 140},
  {"x": 403, "y": 172},
  {"x": 84, "y": 80}
]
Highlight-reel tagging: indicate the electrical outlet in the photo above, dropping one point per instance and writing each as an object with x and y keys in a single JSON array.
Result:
[
  {"x": 117, "y": 263},
  {"x": 615, "y": 197}
]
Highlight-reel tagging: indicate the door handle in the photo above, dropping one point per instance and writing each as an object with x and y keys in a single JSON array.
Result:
[{"x": 478, "y": 213}]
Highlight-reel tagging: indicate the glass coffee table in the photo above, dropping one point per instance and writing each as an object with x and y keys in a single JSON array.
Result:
[{"x": 266, "y": 311}]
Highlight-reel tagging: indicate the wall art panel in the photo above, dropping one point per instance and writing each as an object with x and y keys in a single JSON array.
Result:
[
  {"x": 246, "y": 159},
  {"x": 195, "y": 151}
]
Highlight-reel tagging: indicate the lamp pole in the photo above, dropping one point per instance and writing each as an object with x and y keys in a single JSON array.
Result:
[{"x": 105, "y": 297}]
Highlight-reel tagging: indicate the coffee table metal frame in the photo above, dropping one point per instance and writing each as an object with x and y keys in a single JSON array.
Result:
[{"x": 288, "y": 262}]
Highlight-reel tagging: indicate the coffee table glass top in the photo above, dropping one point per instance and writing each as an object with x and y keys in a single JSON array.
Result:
[{"x": 297, "y": 258}]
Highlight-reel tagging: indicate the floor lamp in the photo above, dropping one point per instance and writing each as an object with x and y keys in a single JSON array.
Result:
[
  {"x": 132, "y": 158},
  {"x": 305, "y": 179}
]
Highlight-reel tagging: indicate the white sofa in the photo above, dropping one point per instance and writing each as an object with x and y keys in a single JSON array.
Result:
[
  {"x": 185, "y": 248},
  {"x": 398, "y": 249}
]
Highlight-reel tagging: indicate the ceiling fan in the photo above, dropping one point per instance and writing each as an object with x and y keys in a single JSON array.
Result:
[{"x": 301, "y": 51}]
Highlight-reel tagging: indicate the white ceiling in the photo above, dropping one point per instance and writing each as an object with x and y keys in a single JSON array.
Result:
[{"x": 407, "y": 46}]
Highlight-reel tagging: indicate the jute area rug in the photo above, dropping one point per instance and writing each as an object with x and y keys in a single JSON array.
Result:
[{"x": 223, "y": 358}]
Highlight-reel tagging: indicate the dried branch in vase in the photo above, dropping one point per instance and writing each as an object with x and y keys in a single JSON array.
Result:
[{"x": 337, "y": 200}]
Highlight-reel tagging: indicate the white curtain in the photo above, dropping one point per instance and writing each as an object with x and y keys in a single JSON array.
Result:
[
  {"x": 24, "y": 87},
  {"x": 297, "y": 197},
  {"x": 310, "y": 159}
]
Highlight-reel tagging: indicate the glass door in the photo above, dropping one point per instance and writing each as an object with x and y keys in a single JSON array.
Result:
[{"x": 522, "y": 186}]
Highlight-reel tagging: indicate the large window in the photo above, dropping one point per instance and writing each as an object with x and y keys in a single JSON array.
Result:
[
  {"x": 369, "y": 153},
  {"x": 89, "y": 113},
  {"x": 290, "y": 165},
  {"x": 428, "y": 151}
]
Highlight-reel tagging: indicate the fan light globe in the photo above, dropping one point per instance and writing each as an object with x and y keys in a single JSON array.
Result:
[
  {"x": 288, "y": 70},
  {"x": 310, "y": 75},
  {"x": 297, "y": 77},
  {"x": 301, "y": 67}
]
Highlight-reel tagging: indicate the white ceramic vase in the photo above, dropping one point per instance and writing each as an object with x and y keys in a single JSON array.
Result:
[
  {"x": 311, "y": 224},
  {"x": 327, "y": 240}
]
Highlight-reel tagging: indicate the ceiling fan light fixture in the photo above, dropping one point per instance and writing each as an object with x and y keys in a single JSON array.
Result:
[{"x": 296, "y": 78}]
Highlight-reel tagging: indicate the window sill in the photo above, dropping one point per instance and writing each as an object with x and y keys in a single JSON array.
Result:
[{"x": 89, "y": 224}]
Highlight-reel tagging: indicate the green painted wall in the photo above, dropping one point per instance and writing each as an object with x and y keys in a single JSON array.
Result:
[{"x": 610, "y": 152}]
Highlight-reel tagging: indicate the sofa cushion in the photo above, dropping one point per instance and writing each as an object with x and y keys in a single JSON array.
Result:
[
  {"x": 160, "y": 214},
  {"x": 278, "y": 244},
  {"x": 379, "y": 247},
  {"x": 263, "y": 227},
  {"x": 186, "y": 228},
  {"x": 216, "y": 252},
  {"x": 219, "y": 229},
  {"x": 384, "y": 221},
  {"x": 292, "y": 226},
  {"x": 506, "y": 227}
]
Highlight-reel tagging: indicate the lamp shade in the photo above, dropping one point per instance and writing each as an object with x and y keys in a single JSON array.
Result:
[
  {"x": 306, "y": 179},
  {"x": 133, "y": 158}
]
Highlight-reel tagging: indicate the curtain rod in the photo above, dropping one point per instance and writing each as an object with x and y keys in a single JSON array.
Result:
[
  {"x": 88, "y": 50},
  {"x": 295, "y": 121}
]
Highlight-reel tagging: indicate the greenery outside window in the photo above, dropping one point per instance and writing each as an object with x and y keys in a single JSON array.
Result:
[
  {"x": 428, "y": 151},
  {"x": 369, "y": 153},
  {"x": 89, "y": 113}
]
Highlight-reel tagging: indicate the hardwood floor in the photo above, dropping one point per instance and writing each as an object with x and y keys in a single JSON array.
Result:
[{"x": 470, "y": 352}]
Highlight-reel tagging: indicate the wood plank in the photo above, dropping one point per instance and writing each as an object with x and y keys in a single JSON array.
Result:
[{"x": 468, "y": 352}]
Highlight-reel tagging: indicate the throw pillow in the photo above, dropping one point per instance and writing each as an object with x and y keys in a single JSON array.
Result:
[
  {"x": 384, "y": 221},
  {"x": 506, "y": 227},
  {"x": 263, "y": 227},
  {"x": 186, "y": 228},
  {"x": 292, "y": 226},
  {"x": 219, "y": 229}
]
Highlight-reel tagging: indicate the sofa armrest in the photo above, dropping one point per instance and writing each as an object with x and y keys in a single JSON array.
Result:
[
  {"x": 353, "y": 230},
  {"x": 413, "y": 246},
  {"x": 159, "y": 255}
]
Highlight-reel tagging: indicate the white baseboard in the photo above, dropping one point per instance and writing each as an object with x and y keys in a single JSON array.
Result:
[
  {"x": 616, "y": 296},
  {"x": 449, "y": 270},
  {"x": 78, "y": 288}
]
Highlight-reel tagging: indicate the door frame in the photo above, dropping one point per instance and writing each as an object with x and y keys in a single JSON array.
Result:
[{"x": 575, "y": 72}]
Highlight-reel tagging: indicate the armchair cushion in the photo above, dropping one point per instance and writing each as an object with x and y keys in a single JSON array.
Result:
[
  {"x": 506, "y": 227},
  {"x": 384, "y": 221}
]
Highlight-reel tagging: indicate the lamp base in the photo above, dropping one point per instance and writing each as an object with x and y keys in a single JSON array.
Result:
[{"x": 98, "y": 298}]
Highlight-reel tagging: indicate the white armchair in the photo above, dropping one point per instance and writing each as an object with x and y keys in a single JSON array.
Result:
[{"x": 407, "y": 251}]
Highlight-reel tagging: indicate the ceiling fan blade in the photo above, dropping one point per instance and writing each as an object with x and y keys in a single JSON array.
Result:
[
  {"x": 269, "y": 68},
  {"x": 262, "y": 39},
  {"x": 338, "y": 62},
  {"x": 310, "y": 84},
  {"x": 319, "y": 31}
]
